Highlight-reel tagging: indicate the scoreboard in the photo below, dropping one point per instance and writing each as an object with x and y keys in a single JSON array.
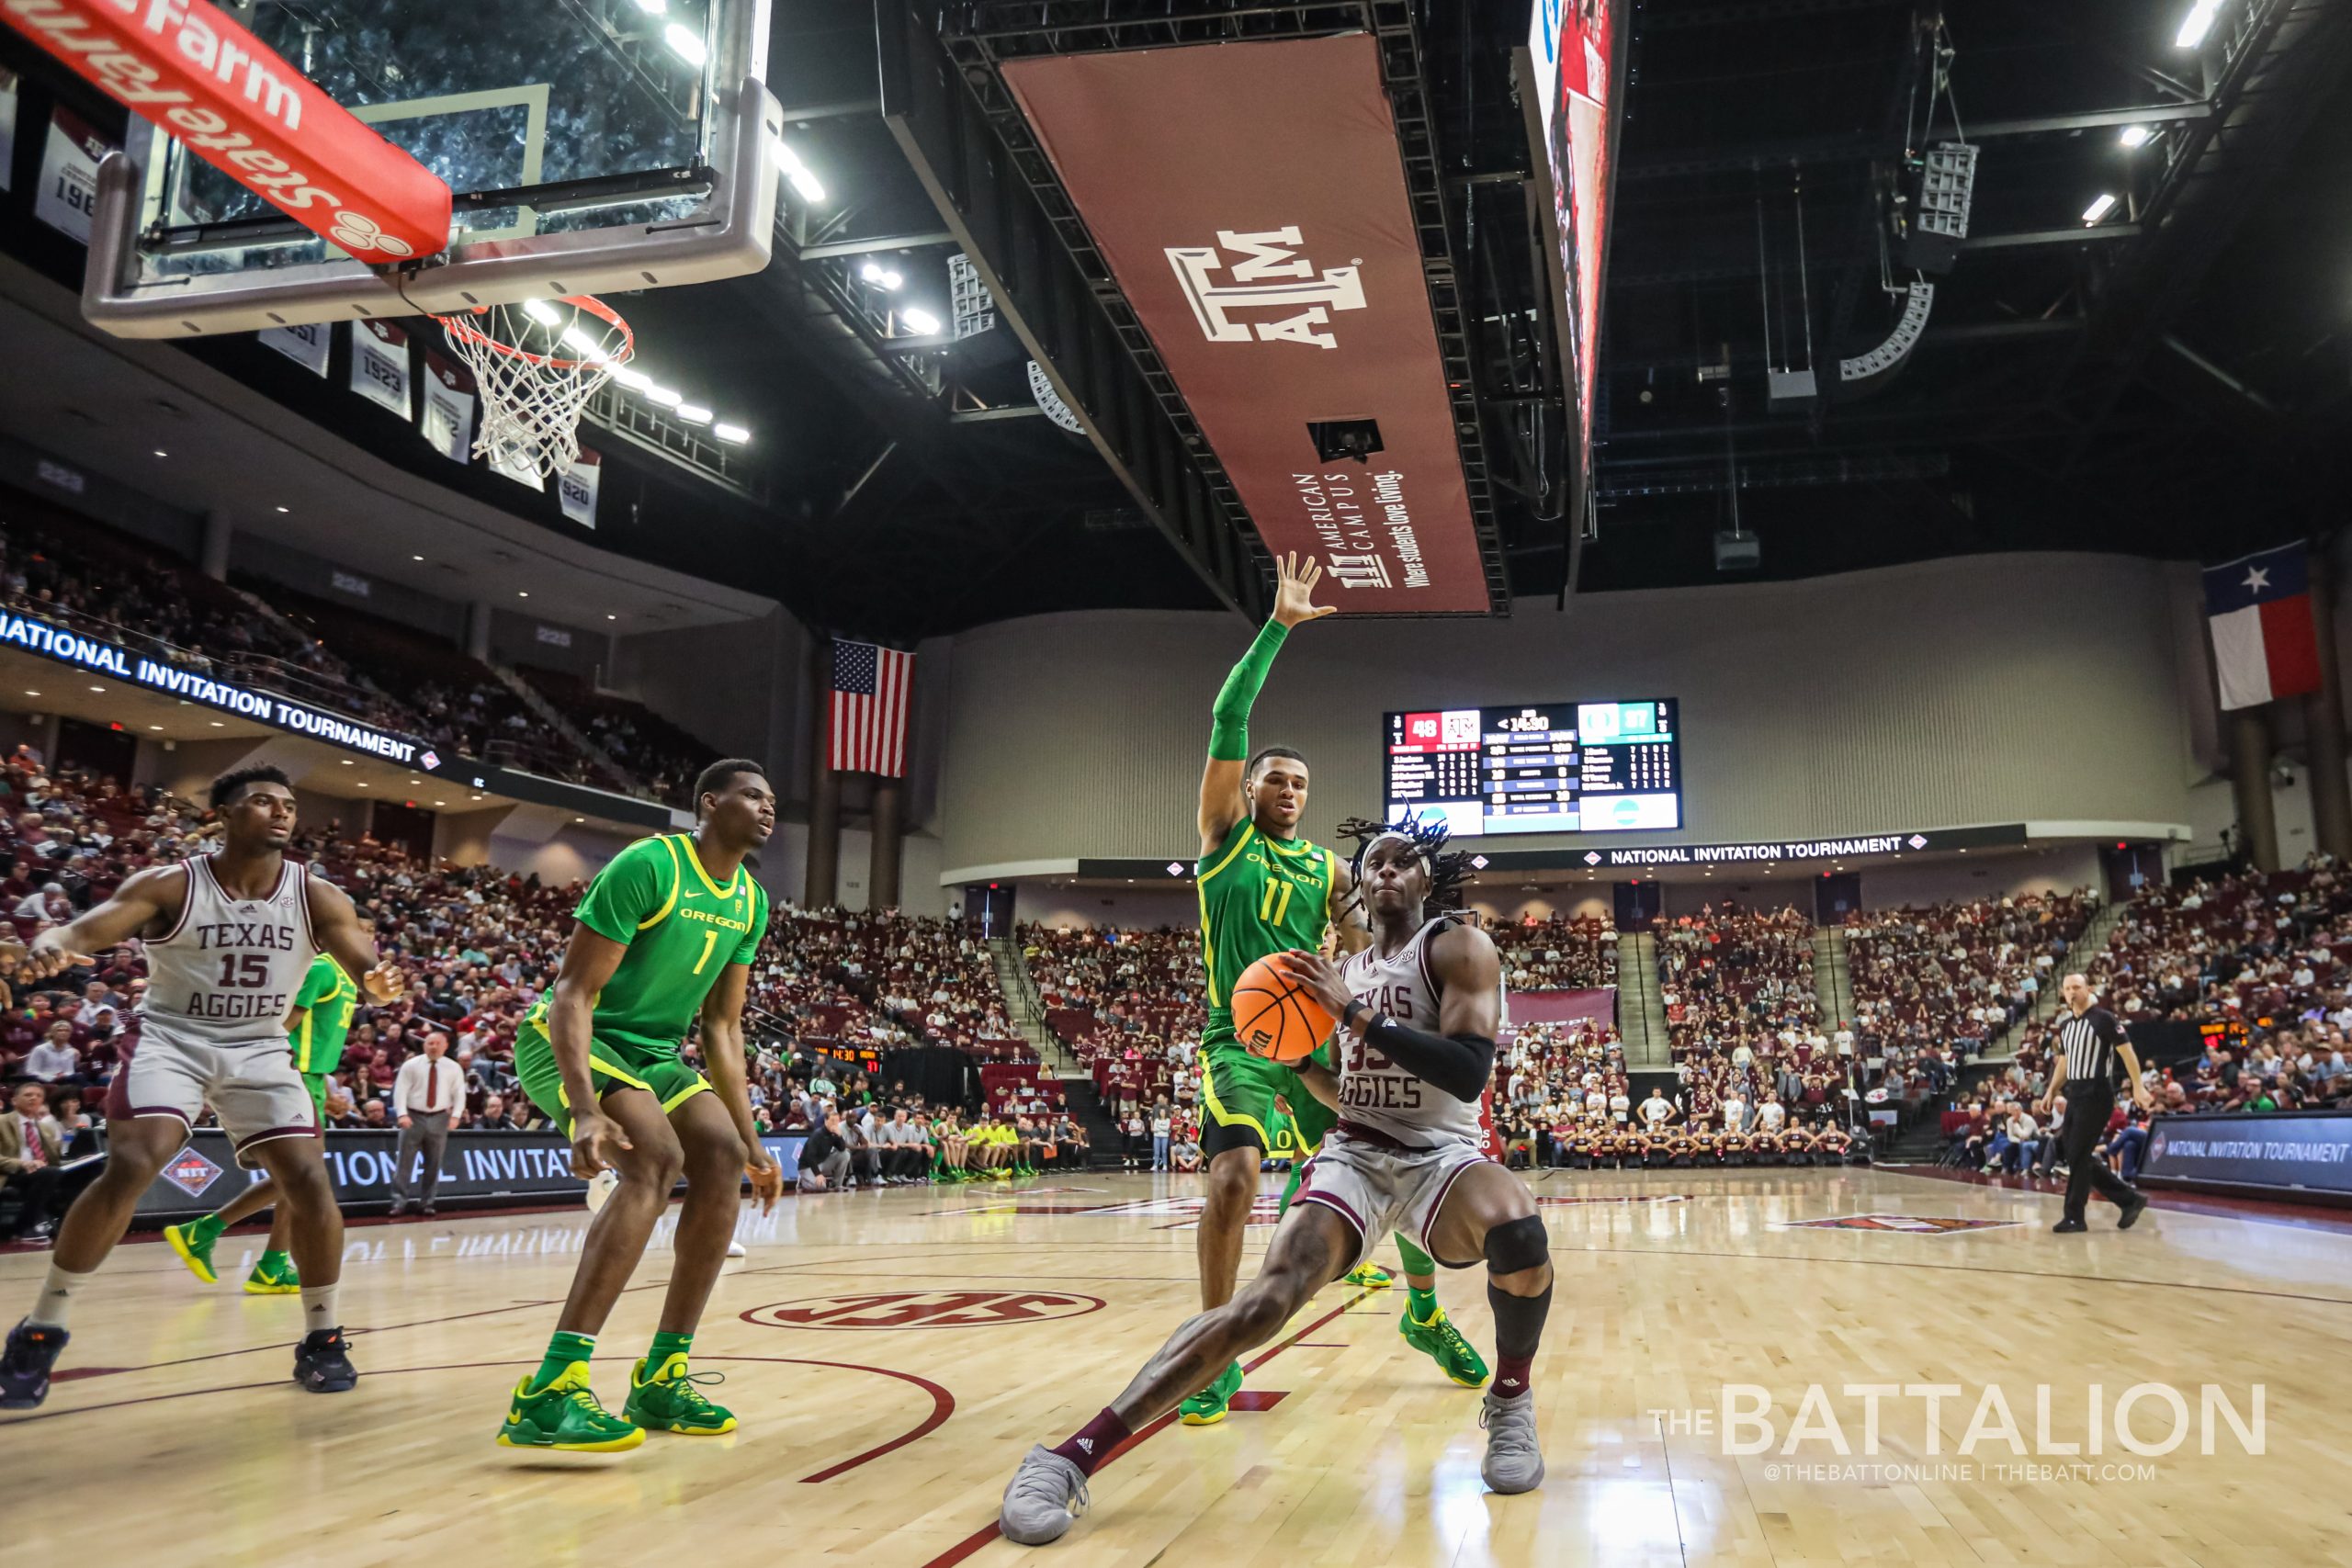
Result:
[{"x": 1566, "y": 768}]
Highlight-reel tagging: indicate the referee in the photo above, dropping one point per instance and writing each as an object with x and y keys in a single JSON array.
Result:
[{"x": 2089, "y": 1041}]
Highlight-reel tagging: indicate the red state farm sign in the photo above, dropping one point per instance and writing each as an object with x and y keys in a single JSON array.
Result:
[
  {"x": 235, "y": 103},
  {"x": 1271, "y": 255}
]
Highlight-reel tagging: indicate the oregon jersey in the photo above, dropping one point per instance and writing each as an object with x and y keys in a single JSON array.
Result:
[
  {"x": 1259, "y": 895},
  {"x": 681, "y": 930},
  {"x": 326, "y": 999}
]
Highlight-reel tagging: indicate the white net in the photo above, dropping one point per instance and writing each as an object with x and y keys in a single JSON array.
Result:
[{"x": 537, "y": 364}]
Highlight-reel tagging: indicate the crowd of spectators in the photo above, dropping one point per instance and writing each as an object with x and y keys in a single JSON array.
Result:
[
  {"x": 329, "y": 656},
  {"x": 1957, "y": 975},
  {"x": 1557, "y": 954},
  {"x": 117, "y": 590}
]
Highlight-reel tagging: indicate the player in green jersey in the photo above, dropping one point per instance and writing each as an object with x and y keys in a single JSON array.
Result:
[
  {"x": 315, "y": 1028},
  {"x": 668, "y": 931},
  {"x": 1265, "y": 890}
]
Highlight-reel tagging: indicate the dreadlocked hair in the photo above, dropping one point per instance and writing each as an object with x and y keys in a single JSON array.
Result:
[{"x": 1448, "y": 868}]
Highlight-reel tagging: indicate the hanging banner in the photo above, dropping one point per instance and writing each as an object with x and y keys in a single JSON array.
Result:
[
  {"x": 305, "y": 346},
  {"x": 379, "y": 365},
  {"x": 578, "y": 489},
  {"x": 1274, "y": 259},
  {"x": 522, "y": 473},
  {"x": 69, "y": 176},
  {"x": 7, "y": 125},
  {"x": 447, "y": 416}
]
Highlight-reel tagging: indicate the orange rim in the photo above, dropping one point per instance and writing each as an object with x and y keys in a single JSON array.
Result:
[{"x": 459, "y": 327}]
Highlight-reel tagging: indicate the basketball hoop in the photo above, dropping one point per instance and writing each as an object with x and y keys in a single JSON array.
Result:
[{"x": 537, "y": 363}]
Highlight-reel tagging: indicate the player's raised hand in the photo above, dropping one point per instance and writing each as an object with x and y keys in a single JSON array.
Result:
[
  {"x": 384, "y": 983},
  {"x": 1294, "y": 582},
  {"x": 595, "y": 1139},
  {"x": 767, "y": 1177}
]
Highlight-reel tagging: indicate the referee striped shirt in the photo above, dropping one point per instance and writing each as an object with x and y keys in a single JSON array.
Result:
[{"x": 2089, "y": 1039}]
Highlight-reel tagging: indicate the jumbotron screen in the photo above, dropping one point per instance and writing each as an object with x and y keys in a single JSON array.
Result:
[{"x": 1566, "y": 768}]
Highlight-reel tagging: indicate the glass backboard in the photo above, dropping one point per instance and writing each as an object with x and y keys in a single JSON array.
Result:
[{"x": 590, "y": 144}]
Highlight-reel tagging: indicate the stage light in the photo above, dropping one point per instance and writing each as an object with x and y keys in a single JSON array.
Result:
[
  {"x": 2136, "y": 135},
  {"x": 686, "y": 43},
  {"x": 542, "y": 312},
  {"x": 2197, "y": 23},
  {"x": 921, "y": 320},
  {"x": 668, "y": 397},
  {"x": 635, "y": 381},
  {"x": 882, "y": 277},
  {"x": 694, "y": 413},
  {"x": 2099, "y": 208},
  {"x": 734, "y": 434}
]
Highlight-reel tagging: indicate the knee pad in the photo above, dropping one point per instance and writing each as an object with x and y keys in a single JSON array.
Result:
[{"x": 1518, "y": 1245}]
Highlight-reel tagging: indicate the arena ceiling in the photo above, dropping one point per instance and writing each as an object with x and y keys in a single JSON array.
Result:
[{"x": 2176, "y": 381}]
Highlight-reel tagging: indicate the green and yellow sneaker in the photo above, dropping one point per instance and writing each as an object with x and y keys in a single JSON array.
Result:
[
  {"x": 193, "y": 1242},
  {"x": 565, "y": 1414},
  {"x": 1369, "y": 1276},
  {"x": 669, "y": 1402},
  {"x": 1206, "y": 1409},
  {"x": 274, "y": 1275},
  {"x": 1442, "y": 1343}
]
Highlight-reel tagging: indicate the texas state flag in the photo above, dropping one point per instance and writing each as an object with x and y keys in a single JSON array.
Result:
[{"x": 2260, "y": 609}]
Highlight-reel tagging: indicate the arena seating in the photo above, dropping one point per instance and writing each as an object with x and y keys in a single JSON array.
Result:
[
  {"x": 350, "y": 664},
  {"x": 1557, "y": 954},
  {"x": 1129, "y": 1004},
  {"x": 109, "y": 585},
  {"x": 480, "y": 946},
  {"x": 658, "y": 755}
]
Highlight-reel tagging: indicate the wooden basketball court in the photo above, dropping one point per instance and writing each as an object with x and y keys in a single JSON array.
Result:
[{"x": 893, "y": 1354}]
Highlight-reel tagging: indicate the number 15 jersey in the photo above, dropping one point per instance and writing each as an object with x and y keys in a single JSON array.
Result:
[{"x": 227, "y": 971}]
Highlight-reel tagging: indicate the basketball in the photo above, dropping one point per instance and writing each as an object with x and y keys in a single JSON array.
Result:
[{"x": 1274, "y": 1015}]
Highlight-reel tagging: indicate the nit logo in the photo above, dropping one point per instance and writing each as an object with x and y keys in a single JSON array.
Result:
[
  {"x": 1267, "y": 276},
  {"x": 924, "y": 1309},
  {"x": 191, "y": 1173},
  {"x": 1908, "y": 1225}
]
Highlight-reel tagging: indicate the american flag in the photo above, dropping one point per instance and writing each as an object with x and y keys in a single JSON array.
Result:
[{"x": 871, "y": 689}]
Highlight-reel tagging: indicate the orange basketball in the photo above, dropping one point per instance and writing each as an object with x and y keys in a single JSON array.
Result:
[{"x": 1274, "y": 1015}]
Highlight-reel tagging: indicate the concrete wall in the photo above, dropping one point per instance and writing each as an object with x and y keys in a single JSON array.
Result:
[
  {"x": 1950, "y": 693},
  {"x": 741, "y": 687}
]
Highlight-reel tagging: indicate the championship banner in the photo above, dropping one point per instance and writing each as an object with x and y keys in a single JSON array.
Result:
[
  {"x": 522, "y": 473},
  {"x": 230, "y": 100},
  {"x": 305, "y": 346},
  {"x": 520, "y": 1166},
  {"x": 7, "y": 125},
  {"x": 578, "y": 486},
  {"x": 68, "y": 192},
  {"x": 447, "y": 416},
  {"x": 379, "y": 365},
  {"x": 1274, "y": 259}
]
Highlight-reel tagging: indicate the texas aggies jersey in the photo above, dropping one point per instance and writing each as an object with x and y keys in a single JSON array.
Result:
[
  {"x": 1375, "y": 1094},
  {"x": 227, "y": 971}
]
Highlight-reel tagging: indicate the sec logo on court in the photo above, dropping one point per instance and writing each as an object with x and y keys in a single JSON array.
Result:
[{"x": 924, "y": 1309}]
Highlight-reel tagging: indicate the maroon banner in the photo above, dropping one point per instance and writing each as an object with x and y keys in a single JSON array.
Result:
[
  {"x": 1271, "y": 254},
  {"x": 1598, "y": 1005}
]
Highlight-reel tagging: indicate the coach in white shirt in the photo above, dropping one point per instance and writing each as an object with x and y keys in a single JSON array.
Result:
[{"x": 428, "y": 1099}]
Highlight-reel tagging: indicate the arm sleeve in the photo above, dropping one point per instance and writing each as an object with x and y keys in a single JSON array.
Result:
[
  {"x": 639, "y": 884},
  {"x": 1461, "y": 1064},
  {"x": 1229, "y": 735},
  {"x": 749, "y": 948}
]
